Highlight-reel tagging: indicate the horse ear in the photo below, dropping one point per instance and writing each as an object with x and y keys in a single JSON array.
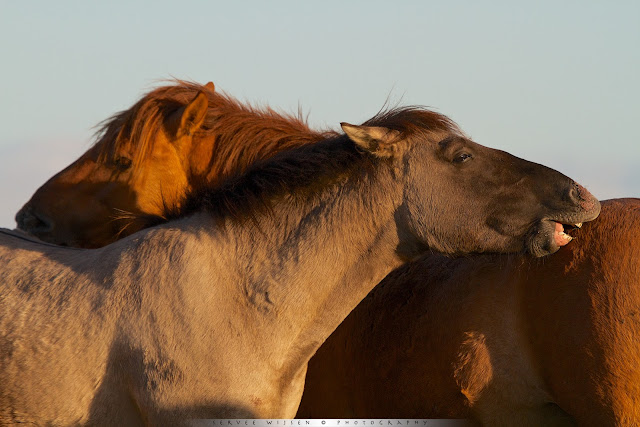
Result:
[
  {"x": 379, "y": 141},
  {"x": 210, "y": 86},
  {"x": 193, "y": 115}
]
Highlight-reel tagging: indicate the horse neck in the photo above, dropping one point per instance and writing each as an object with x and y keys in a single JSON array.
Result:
[
  {"x": 317, "y": 262},
  {"x": 239, "y": 137}
]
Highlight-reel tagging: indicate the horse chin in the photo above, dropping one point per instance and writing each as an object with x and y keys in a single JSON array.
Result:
[
  {"x": 546, "y": 238},
  {"x": 56, "y": 239}
]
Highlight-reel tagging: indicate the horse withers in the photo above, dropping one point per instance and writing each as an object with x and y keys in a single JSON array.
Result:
[{"x": 217, "y": 312}]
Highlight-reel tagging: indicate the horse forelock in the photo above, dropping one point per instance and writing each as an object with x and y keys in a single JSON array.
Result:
[
  {"x": 414, "y": 120},
  {"x": 131, "y": 131}
]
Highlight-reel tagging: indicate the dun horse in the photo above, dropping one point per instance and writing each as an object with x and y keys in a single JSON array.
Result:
[
  {"x": 216, "y": 313},
  {"x": 175, "y": 140},
  {"x": 503, "y": 340}
]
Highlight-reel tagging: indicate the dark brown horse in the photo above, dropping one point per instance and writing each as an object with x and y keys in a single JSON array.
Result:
[
  {"x": 177, "y": 139},
  {"x": 507, "y": 340}
]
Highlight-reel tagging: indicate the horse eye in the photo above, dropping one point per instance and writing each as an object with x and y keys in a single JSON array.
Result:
[
  {"x": 122, "y": 163},
  {"x": 462, "y": 157}
]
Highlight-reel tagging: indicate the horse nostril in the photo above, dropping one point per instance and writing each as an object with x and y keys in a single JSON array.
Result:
[
  {"x": 573, "y": 194},
  {"x": 21, "y": 217},
  {"x": 577, "y": 193},
  {"x": 33, "y": 222},
  {"x": 581, "y": 197}
]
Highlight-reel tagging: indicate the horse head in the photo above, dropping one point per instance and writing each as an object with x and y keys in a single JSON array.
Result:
[{"x": 462, "y": 197}]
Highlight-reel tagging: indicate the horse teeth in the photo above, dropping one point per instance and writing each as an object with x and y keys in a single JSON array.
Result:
[
  {"x": 565, "y": 236},
  {"x": 578, "y": 225}
]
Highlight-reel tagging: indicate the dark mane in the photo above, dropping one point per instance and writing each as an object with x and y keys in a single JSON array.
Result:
[
  {"x": 227, "y": 119},
  {"x": 304, "y": 170}
]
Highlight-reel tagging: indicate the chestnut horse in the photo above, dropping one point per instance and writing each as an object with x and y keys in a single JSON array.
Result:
[
  {"x": 175, "y": 140},
  {"x": 216, "y": 313},
  {"x": 506, "y": 340}
]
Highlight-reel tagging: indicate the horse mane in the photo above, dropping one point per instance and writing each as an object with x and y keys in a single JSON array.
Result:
[
  {"x": 302, "y": 171},
  {"x": 227, "y": 119}
]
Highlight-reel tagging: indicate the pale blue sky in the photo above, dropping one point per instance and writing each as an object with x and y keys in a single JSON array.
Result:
[{"x": 554, "y": 82}]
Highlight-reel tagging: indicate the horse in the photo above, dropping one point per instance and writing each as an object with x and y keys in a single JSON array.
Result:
[
  {"x": 175, "y": 140},
  {"x": 216, "y": 312},
  {"x": 503, "y": 340}
]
